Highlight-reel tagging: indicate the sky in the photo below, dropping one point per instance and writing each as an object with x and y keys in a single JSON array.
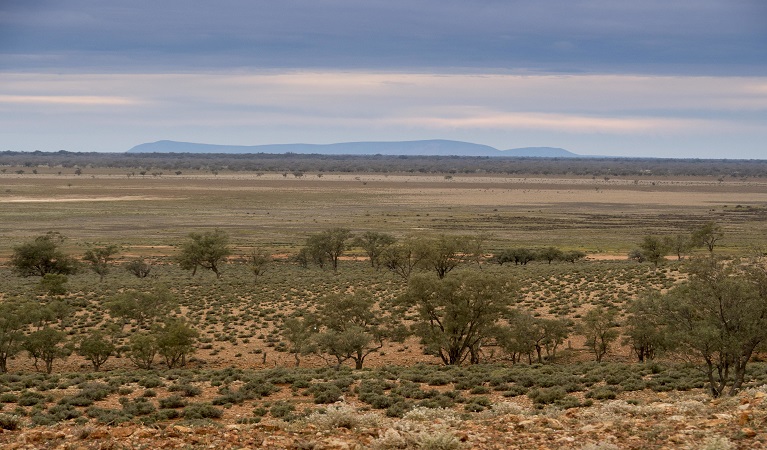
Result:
[{"x": 650, "y": 78}]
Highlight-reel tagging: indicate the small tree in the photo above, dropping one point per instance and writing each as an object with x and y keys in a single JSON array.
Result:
[
  {"x": 258, "y": 262},
  {"x": 405, "y": 256},
  {"x": 42, "y": 256},
  {"x": 142, "y": 350},
  {"x": 138, "y": 267},
  {"x": 573, "y": 256},
  {"x": 707, "y": 235},
  {"x": 654, "y": 249},
  {"x": 679, "y": 244},
  {"x": 53, "y": 284},
  {"x": 47, "y": 344},
  {"x": 598, "y": 326},
  {"x": 445, "y": 253},
  {"x": 143, "y": 307},
  {"x": 457, "y": 315},
  {"x": 14, "y": 317},
  {"x": 374, "y": 244},
  {"x": 719, "y": 316},
  {"x": 350, "y": 327},
  {"x": 550, "y": 254},
  {"x": 300, "y": 332},
  {"x": 96, "y": 348},
  {"x": 100, "y": 259},
  {"x": 644, "y": 330},
  {"x": 328, "y": 246},
  {"x": 175, "y": 341},
  {"x": 206, "y": 250}
]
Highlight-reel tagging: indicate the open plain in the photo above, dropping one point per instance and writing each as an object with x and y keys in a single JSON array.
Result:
[{"x": 240, "y": 389}]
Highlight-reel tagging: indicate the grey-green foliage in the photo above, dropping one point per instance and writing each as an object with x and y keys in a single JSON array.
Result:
[
  {"x": 374, "y": 243},
  {"x": 175, "y": 342},
  {"x": 96, "y": 347},
  {"x": 719, "y": 316},
  {"x": 14, "y": 318},
  {"x": 142, "y": 307},
  {"x": 100, "y": 259},
  {"x": 47, "y": 345},
  {"x": 351, "y": 328},
  {"x": 457, "y": 314},
  {"x": 207, "y": 250},
  {"x": 41, "y": 256},
  {"x": 598, "y": 327},
  {"x": 326, "y": 247}
]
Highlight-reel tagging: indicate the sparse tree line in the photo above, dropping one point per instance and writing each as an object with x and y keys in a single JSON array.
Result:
[
  {"x": 655, "y": 249},
  {"x": 717, "y": 316},
  {"x": 299, "y": 165}
]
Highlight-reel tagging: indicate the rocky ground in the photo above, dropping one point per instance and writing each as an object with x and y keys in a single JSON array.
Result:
[{"x": 688, "y": 420}]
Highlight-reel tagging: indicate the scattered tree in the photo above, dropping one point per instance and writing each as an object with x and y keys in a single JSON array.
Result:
[
  {"x": 96, "y": 347},
  {"x": 328, "y": 246},
  {"x": 299, "y": 332},
  {"x": 707, "y": 235},
  {"x": 47, "y": 345},
  {"x": 445, "y": 253},
  {"x": 100, "y": 259},
  {"x": 598, "y": 326},
  {"x": 206, "y": 250},
  {"x": 404, "y": 256},
  {"x": 374, "y": 244},
  {"x": 719, "y": 316},
  {"x": 258, "y": 261},
  {"x": 138, "y": 267},
  {"x": 143, "y": 307},
  {"x": 14, "y": 317},
  {"x": 42, "y": 256},
  {"x": 53, "y": 284},
  {"x": 175, "y": 341},
  {"x": 457, "y": 315},
  {"x": 653, "y": 249}
]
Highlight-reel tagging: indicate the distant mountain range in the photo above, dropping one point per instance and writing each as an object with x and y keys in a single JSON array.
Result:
[{"x": 412, "y": 148}]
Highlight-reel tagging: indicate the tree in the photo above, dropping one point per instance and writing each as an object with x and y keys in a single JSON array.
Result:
[
  {"x": 374, "y": 244},
  {"x": 142, "y": 350},
  {"x": 404, "y": 256},
  {"x": 96, "y": 348},
  {"x": 719, "y": 316},
  {"x": 138, "y": 267},
  {"x": 644, "y": 329},
  {"x": 707, "y": 235},
  {"x": 175, "y": 341},
  {"x": 328, "y": 245},
  {"x": 573, "y": 256},
  {"x": 47, "y": 344},
  {"x": 598, "y": 327},
  {"x": 53, "y": 284},
  {"x": 550, "y": 254},
  {"x": 679, "y": 244},
  {"x": 351, "y": 328},
  {"x": 42, "y": 256},
  {"x": 654, "y": 249},
  {"x": 636, "y": 255},
  {"x": 517, "y": 255},
  {"x": 257, "y": 262},
  {"x": 445, "y": 253},
  {"x": 457, "y": 315},
  {"x": 299, "y": 332},
  {"x": 14, "y": 317},
  {"x": 143, "y": 307},
  {"x": 100, "y": 259},
  {"x": 206, "y": 250}
]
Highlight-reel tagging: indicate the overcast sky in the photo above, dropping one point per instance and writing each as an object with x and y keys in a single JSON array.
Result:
[{"x": 666, "y": 78}]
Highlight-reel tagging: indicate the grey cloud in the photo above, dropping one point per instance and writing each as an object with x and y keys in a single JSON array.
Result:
[{"x": 652, "y": 36}]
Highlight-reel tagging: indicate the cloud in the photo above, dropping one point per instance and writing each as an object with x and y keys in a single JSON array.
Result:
[
  {"x": 648, "y": 37},
  {"x": 82, "y": 100}
]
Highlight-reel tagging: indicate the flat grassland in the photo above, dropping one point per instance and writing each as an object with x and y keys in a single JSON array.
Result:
[{"x": 240, "y": 390}]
